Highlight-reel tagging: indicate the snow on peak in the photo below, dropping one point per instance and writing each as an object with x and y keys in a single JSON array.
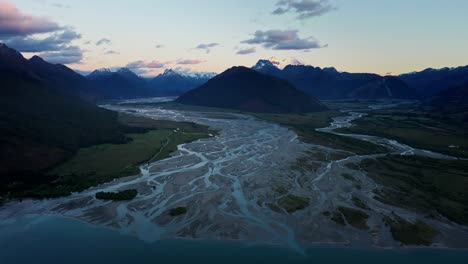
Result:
[{"x": 281, "y": 63}]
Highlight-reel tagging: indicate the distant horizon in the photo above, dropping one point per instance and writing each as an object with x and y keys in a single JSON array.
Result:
[{"x": 385, "y": 38}]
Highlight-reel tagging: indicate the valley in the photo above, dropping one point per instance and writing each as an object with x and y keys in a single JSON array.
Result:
[{"x": 271, "y": 182}]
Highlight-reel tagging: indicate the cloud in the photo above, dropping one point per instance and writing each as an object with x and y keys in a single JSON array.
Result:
[
  {"x": 68, "y": 55},
  {"x": 103, "y": 41},
  {"x": 109, "y": 52},
  {"x": 158, "y": 46},
  {"x": 206, "y": 47},
  {"x": 282, "y": 40},
  {"x": 55, "y": 42},
  {"x": 15, "y": 23},
  {"x": 304, "y": 8},
  {"x": 148, "y": 65},
  {"x": 246, "y": 51},
  {"x": 188, "y": 62},
  {"x": 58, "y": 5}
]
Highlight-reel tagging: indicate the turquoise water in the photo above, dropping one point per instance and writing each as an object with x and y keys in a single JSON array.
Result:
[{"x": 53, "y": 239}]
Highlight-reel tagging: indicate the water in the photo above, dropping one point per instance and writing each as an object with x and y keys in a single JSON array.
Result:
[{"x": 56, "y": 239}]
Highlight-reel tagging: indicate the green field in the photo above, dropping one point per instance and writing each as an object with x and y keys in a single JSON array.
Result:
[
  {"x": 150, "y": 140},
  {"x": 305, "y": 126},
  {"x": 124, "y": 195},
  {"x": 417, "y": 129},
  {"x": 417, "y": 233},
  {"x": 430, "y": 186}
]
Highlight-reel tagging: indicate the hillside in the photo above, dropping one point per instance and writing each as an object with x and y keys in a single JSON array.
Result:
[
  {"x": 450, "y": 103},
  {"x": 430, "y": 82},
  {"x": 41, "y": 127},
  {"x": 247, "y": 90},
  {"x": 117, "y": 85},
  {"x": 172, "y": 83},
  {"x": 328, "y": 83}
]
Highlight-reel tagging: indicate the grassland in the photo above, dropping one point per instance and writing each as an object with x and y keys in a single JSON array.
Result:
[
  {"x": 117, "y": 196},
  {"x": 292, "y": 203},
  {"x": 305, "y": 126},
  {"x": 178, "y": 211},
  {"x": 148, "y": 140},
  {"x": 355, "y": 218},
  {"x": 345, "y": 215},
  {"x": 431, "y": 186},
  {"x": 417, "y": 233},
  {"x": 416, "y": 128}
]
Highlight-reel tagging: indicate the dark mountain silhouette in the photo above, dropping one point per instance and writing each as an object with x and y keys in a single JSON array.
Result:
[
  {"x": 451, "y": 103},
  {"x": 120, "y": 84},
  {"x": 432, "y": 81},
  {"x": 40, "y": 125},
  {"x": 247, "y": 90},
  {"x": 328, "y": 83},
  {"x": 453, "y": 97},
  {"x": 172, "y": 83}
]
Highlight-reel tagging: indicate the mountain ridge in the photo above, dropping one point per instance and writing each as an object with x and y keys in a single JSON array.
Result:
[{"x": 245, "y": 89}]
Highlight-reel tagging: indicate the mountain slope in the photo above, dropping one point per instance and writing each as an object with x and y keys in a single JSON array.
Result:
[
  {"x": 120, "y": 84},
  {"x": 172, "y": 83},
  {"x": 328, "y": 83},
  {"x": 432, "y": 81},
  {"x": 247, "y": 90},
  {"x": 451, "y": 102},
  {"x": 41, "y": 126}
]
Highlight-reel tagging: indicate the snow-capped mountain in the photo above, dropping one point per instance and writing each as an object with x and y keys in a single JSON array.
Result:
[
  {"x": 100, "y": 73},
  {"x": 197, "y": 75},
  {"x": 172, "y": 82},
  {"x": 328, "y": 83}
]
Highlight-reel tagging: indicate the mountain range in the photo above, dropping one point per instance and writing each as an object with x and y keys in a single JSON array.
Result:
[
  {"x": 328, "y": 83},
  {"x": 245, "y": 89},
  {"x": 430, "y": 81}
]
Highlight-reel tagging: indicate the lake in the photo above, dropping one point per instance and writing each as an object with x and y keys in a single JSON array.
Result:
[{"x": 56, "y": 239}]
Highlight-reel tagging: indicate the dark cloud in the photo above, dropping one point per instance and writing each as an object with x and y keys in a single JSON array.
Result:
[
  {"x": 15, "y": 23},
  {"x": 103, "y": 41},
  {"x": 158, "y": 46},
  {"x": 206, "y": 47},
  {"x": 246, "y": 51},
  {"x": 188, "y": 62},
  {"x": 282, "y": 40},
  {"x": 109, "y": 52},
  {"x": 55, "y": 42},
  {"x": 304, "y": 8},
  {"x": 67, "y": 55},
  {"x": 148, "y": 65}
]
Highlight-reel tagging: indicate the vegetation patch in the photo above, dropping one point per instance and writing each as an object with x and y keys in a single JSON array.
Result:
[
  {"x": 148, "y": 140},
  {"x": 417, "y": 233},
  {"x": 292, "y": 203},
  {"x": 349, "y": 177},
  {"x": 117, "y": 196},
  {"x": 305, "y": 126},
  {"x": 359, "y": 203},
  {"x": 417, "y": 128},
  {"x": 178, "y": 211},
  {"x": 355, "y": 218},
  {"x": 337, "y": 217},
  {"x": 274, "y": 207},
  {"x": 430, "y": 186}
]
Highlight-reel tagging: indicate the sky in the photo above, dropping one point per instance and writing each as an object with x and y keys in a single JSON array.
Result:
[{"x": 379, "y": 36}]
